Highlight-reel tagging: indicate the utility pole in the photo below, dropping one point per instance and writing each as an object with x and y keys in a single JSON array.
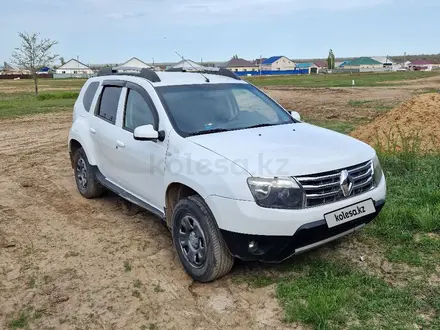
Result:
[{"x": 261, "y": 57}]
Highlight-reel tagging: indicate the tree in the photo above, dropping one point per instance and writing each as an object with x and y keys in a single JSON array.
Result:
[
  {"x": 331, "y": 60},
  {"x": 62, "y": 61},
  {"x": 235, "y": 56},
  {"x": 33, "y": 54}
]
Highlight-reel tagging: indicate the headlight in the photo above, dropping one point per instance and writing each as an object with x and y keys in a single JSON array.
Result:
[
  {"x": 281, "y": 193},
  {"x": 377, "y": 172}
]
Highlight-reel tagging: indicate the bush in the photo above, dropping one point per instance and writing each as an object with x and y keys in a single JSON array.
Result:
[{"x": 57, "y": 96}]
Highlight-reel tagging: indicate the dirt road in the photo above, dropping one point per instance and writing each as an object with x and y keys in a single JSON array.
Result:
[{"x": 71, "y": 263}]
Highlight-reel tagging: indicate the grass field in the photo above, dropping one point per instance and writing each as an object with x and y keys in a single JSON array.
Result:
[
  {"x": 397, "y": 283},
  {"x": 343, "y": 79}
]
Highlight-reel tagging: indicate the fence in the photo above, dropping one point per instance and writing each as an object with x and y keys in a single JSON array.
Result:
[
  {"x": 271, "y": 72},
  {"x": 72, "y": 75},
  {"x": 25, "y": 76}
]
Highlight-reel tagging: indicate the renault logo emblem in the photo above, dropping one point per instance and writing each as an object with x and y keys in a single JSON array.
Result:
[{"x": 346, "y": 183}]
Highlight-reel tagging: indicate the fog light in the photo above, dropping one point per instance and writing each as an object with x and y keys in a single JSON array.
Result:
[{"x": 253, "y": 246}]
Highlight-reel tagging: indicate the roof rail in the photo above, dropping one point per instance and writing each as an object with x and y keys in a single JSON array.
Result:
[
  {"x": 220, "y": 72},
  {"x": 143, "y": 73}
]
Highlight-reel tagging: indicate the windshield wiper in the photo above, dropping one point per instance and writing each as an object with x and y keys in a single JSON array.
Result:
[
  {"x": 209, "y": 131},
  {"x": 262, "y": 125}
]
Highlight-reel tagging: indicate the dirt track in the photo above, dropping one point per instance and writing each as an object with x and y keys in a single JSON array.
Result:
[{"x": 68, "y": 258}]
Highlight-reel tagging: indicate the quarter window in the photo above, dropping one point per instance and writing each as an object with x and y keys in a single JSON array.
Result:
[
  {"x": 137, "y": 111},
  {"x": 108, "y": 107},
  {"x": 89, "y": 95}
]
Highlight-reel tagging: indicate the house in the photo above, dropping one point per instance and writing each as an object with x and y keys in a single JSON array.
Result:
[
  {"x": 385, "y": 60},
  {"x": 188, "y": 65},
  {"x": 8, "y": 69},
  {"x": 278, "y": 63},
  {"x": 45, "y": 70},
  {"x": 363, "y": 63},
  {"x": 240, "y": 65},
  {"x": 321, "y": 64},
  {"x": 309, "y": 66},
  {"x": 133, "y": 64},
  {"x": 421, "y": 65},
  {"x": 74, "y": 67}
]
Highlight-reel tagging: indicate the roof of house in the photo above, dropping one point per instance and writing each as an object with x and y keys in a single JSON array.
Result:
[
  {"x": 383, "y": 59},
  {"x": 238, "y": 62},
  {"x": 321, "y": 64},
  {"x": 271, "y": 60},
  {"x": 304, "y": 65},
  {"x": 421, "y": 62},
  {"x": 134, "y": 61},
  {"x": 188, "y": 65},
  {"x": 363, "y": 61},
  {"x": 258, "y": 60},
  {"x": 73, "y": 64}
]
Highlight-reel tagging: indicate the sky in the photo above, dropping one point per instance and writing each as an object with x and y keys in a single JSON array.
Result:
[{"x": 112, "y": 31}]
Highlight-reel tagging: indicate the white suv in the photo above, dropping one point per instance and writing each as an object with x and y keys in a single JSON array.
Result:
[{"x": 230, "y": 172}]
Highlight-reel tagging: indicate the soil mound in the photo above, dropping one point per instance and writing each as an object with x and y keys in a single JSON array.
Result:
[{"x": 414, "y": 124}]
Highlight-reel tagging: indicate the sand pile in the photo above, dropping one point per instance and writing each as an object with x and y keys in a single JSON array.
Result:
[{"x": 416, "y": 121}]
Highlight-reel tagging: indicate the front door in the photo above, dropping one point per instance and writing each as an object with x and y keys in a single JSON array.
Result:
[{"x": 141, "y": 163}]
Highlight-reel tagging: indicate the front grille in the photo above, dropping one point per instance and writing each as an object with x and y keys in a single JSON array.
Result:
[{"x": 325, "y": 188}]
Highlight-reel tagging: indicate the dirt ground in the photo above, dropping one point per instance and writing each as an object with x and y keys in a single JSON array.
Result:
[{"x": 106, "y": 264}]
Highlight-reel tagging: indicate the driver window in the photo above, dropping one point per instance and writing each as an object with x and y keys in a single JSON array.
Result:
[
  {"x": 137, "y": 111},
  {"x": 247, "y": 101}
]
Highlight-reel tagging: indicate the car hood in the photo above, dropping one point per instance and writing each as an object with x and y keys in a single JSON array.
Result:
[{"x": 287, "y": 150}]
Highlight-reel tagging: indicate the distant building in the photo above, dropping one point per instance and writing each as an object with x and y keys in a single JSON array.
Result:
[
  {"x": 278, "y": 63},
  {"x": 8, "y": 69},
  {"x": 240, "y": 65},
  {"x": 188, "y": 65},
  {"x": 321, "y": 64},
  {"x": 421, "y": 65},
  {"x": 363, "y": 63},
  {"x": 385, "y": 60},
  {"x": 133, "y": 64},
  {"x": 309, "y": 66},
  {"x": 73, "y": 67}
]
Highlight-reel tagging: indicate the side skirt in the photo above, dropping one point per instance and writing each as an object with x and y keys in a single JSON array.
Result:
[{"x": 126, "y": 195}]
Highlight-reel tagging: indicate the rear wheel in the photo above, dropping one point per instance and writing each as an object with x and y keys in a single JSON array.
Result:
[
  {"x": 85, "y": 178},
  {"x": 198, "y": 241}
]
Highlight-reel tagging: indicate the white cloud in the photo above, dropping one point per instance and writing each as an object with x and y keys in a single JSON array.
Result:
[{"x": 213, "y": 11}]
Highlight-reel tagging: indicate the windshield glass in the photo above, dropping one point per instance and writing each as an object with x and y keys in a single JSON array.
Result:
[{"x": 211, "y": 108}]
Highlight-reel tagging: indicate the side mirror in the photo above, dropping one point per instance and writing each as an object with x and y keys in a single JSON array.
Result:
[
  {"x": 295, "y": 115},
  {"x": 145, "y": 133}
]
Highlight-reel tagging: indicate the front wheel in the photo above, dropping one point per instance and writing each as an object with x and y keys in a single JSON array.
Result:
[{"x": 198, "y": 241}]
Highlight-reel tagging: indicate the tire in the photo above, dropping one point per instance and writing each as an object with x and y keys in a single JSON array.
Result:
[
  {"x": 204, "y": 254},
  {"x": 85, "y": 178}
]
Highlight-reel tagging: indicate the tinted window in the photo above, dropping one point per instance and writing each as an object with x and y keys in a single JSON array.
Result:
[
  {"x": 199, "y": 109},
  {"x": 137, "y": 111},
  {"x": 109, "y": 103},
  {"x": 89, "y": 95}
]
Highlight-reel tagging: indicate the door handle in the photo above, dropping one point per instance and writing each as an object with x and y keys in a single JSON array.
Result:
[
  {"x": 120, "y": 144},
  {"x": 92, "y": 130}
]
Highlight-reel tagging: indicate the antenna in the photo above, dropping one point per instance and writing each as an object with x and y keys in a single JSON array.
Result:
[{"x": 206, "y": 78}]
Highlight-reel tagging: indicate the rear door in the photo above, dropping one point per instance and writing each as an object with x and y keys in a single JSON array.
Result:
[{"x": 104, "y": 130}]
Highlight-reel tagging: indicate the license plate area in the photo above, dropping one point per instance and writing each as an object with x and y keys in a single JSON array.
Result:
[{"x": 350, "y": 213}]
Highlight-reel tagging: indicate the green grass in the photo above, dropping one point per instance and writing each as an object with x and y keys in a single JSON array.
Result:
[
  {"x": 342, "y": 79},
  {"x": 21, "y": 104},
  {"x": 57, "y": 96},
  {"x": 334, "y": 296},
  {"x": 413, "y": 209},
  {"x": 356, "y": 104},
  {"x": 127, "y": 266}
]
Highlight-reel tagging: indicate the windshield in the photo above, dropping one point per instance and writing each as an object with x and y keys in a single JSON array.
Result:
[{"x": 212, "y": 108}]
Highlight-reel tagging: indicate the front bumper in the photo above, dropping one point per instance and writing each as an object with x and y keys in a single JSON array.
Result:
[{"x": 307, "y": 237}]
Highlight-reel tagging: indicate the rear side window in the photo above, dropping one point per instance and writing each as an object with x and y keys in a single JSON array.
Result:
[
  {"x": 89, "y": 95},
  {"x": 109, "y": 103}
]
